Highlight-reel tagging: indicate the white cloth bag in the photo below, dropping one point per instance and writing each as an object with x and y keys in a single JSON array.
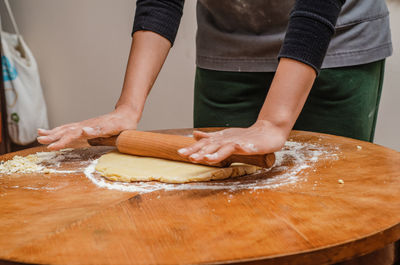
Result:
[{"x": 26, "y": 108}]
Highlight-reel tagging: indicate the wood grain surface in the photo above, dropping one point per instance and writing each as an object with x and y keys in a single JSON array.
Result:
[{"x": 64, "y": 218}]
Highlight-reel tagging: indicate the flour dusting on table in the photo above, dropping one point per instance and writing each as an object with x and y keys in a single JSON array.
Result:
[
  {"x": 291, "y": 166},
  {"x": 40, "y": 162}
]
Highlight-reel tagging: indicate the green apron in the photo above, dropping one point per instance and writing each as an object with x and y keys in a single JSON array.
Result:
[{"x": 343, "y": 101}]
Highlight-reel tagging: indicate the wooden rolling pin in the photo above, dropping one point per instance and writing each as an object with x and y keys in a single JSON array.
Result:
[{"x": 166, "y": 146}]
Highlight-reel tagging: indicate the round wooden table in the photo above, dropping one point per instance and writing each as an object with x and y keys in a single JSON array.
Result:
[{"x": 330, "y": 200}]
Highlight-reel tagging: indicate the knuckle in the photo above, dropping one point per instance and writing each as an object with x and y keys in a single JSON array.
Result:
[
  {"x": 236, "y": 146},
  {"x": 204, "y": 141}
]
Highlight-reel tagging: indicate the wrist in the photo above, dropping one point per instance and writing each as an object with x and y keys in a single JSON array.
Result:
[
  {"x": 279, "y": 128},
  {"x": 130, "y": 113},
  {"x": 287, "y": 94},
  {"x": 279, "y": 117}
]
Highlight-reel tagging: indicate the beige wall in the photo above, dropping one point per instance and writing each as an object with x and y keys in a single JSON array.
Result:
[
  {"x": 388, "y": 125},
  {"x": 82, "y": 46}
]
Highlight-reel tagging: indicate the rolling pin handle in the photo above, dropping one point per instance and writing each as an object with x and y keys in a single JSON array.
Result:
[
  {"x": 103, "y": 141},
  {"x": 264, "y": 161},
  {"x": 270, "y": 160}
]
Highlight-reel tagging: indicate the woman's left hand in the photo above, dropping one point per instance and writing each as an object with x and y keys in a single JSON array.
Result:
[{"x": 261, "y": 138}]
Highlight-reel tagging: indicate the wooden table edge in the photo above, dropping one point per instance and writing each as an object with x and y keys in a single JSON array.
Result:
[{"x": 393, "y": 233}]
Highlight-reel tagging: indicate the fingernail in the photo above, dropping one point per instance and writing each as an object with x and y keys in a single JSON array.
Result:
[
  {"x": 212, "y": 156},
  {"x": 194, "y": 156},
  {"x": 88, "y": 130},
  {"x": 50, "y": 145},
  {"x": 182, "y": 151}
]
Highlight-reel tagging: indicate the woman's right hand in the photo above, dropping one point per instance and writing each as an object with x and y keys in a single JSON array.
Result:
[
  {"x": 148, "y": 53},
  {"x": 122, "y": 118}
]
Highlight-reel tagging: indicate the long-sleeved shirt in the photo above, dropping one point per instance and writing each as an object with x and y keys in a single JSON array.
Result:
[{"x": 249, "y": 35}]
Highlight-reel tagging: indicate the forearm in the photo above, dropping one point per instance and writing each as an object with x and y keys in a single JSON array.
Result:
[
  {"x": 287, "y": 94},
  {"x": 311, "y": 26},
  {"x": 148, "y": 53},
  {"x": 146, "y": 58}
]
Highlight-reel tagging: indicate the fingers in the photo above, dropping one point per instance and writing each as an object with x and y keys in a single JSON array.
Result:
[
  {"x": 102, "y": 126},
  {"x": 217, "y": 146},
  {"x": 60, "y": 137},
  {"x": 99, "y": 131},
  {"x": 62, "y": 143},
  {"x": 43, "y": 132},
  {"x": 194, "y": 148},
  {"x": 92, "y": 132},
  {"x": 204, "y": 139},
  {"x": 205, "y": 150},
  {"x": 66, "y": 136},
  {"x": 48, "y": 139},
  {"x": 223, "y": 153},
  {"x": 63, "y": 136},
  {"x": 247, "y": 148},
  {"x": 213, "y": 153},
  {"x": 208, "y": 151},
  {"x": 198, "y": 135}
]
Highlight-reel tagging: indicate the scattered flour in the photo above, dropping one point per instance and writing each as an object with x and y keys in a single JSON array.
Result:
[
  {"x": 38, "y": 163},
  {"x": 21, "y": 164},
  {"x": 290, "y": 168},
  {"x": 293, "y": 164}
]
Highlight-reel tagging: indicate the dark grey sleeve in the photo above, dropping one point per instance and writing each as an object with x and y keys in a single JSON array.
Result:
[
  {"x": 311, "y": 27},
  {"x": 160, "y": 16}
]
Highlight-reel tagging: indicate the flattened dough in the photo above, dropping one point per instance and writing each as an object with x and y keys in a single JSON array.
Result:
[{"x": 128, "y": 168}]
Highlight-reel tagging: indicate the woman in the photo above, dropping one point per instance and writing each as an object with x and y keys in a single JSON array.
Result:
[
  {"x": 257, "y": 62},
  {"x": 256, "y": 65}
]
